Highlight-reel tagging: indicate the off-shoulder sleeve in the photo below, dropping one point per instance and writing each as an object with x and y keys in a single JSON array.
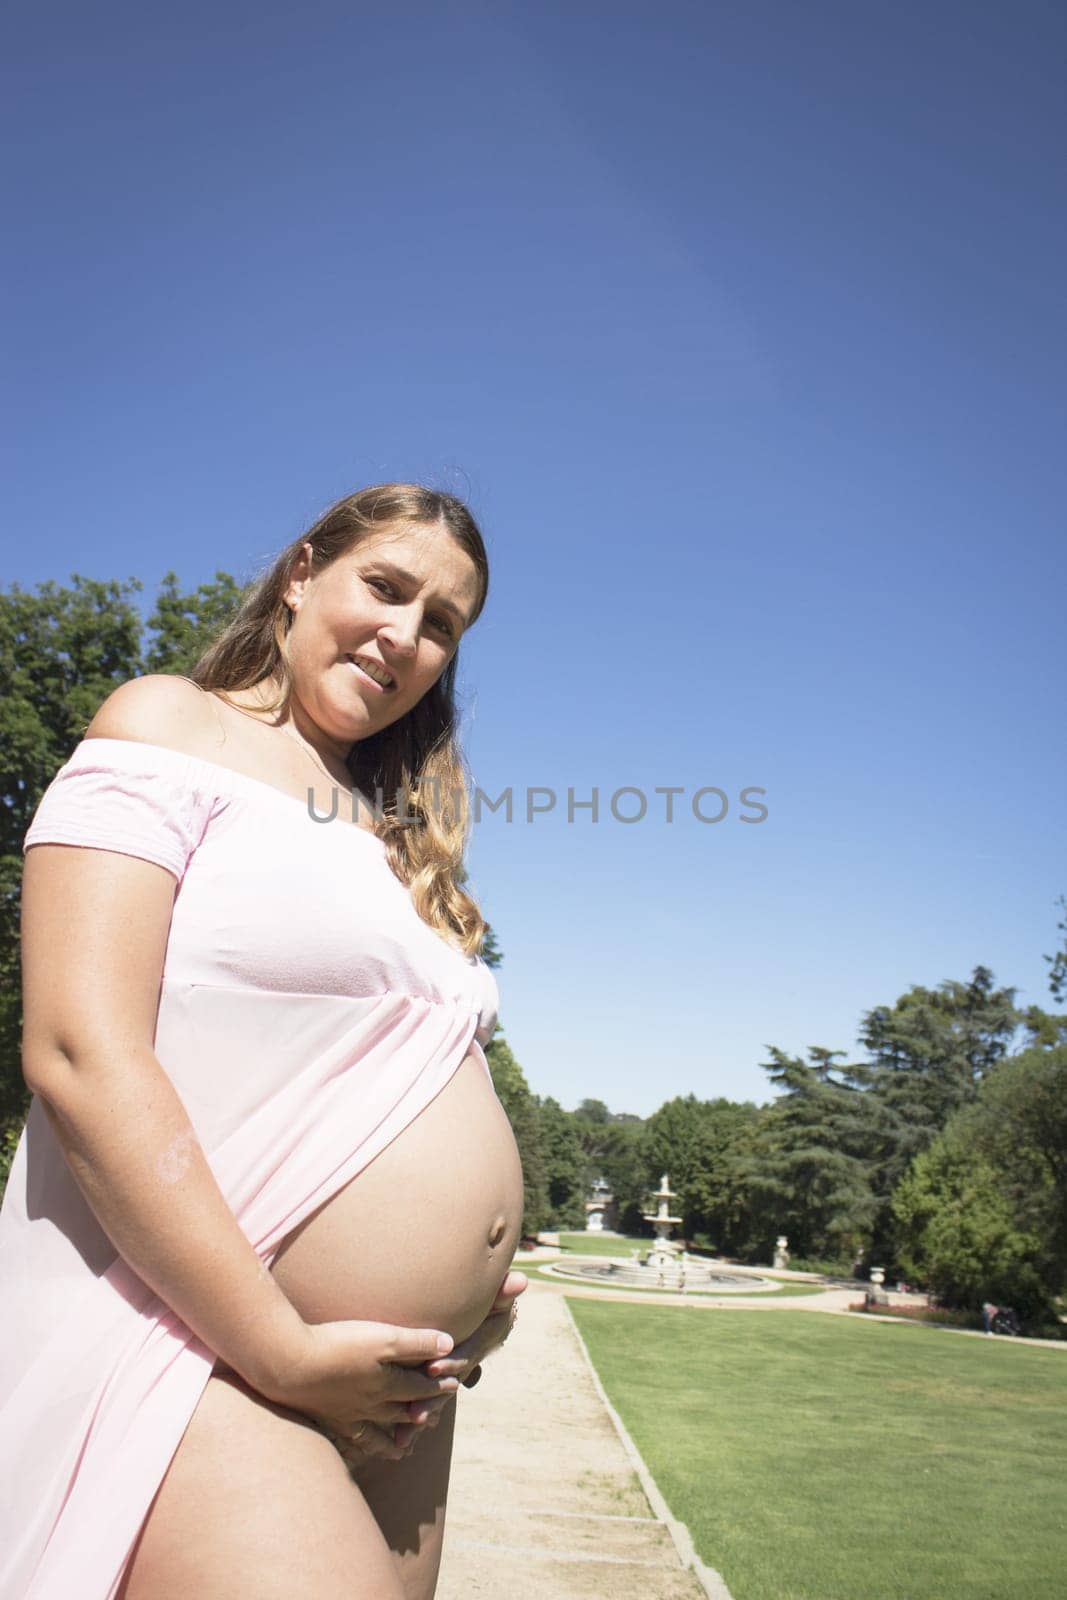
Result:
[
  {"x": 489, "y": 1004},
  {"x": 139, "y": 799}
]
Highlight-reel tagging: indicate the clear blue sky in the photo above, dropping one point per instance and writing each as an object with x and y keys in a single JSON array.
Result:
[{"x": 741, "y": 328}]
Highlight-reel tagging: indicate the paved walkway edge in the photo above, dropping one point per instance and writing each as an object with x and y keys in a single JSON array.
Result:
[{"x": 712, "y": 1582}]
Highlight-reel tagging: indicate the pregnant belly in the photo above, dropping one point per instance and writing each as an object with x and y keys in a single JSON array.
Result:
[{"x": 424, "y": 1235}]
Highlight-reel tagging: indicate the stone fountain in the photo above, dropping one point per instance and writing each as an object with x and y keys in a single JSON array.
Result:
[
  {"x": 664, "y": 1252},
  {"x": 665, "y": 1265}
]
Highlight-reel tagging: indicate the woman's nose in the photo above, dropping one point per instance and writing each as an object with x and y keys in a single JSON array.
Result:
[{"x": 402, "y": 633}]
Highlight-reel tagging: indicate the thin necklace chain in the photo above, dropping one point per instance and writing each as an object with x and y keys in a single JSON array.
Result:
[
  {"x": 334, "y": 781},
  {"x": 284, "y": 728},
  {"x": 314, "y": 756},
  {"x": 309, "y": 751}
]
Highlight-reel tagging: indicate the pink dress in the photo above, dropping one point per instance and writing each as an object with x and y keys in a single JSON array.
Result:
[{"x": 307, "y": 1015}]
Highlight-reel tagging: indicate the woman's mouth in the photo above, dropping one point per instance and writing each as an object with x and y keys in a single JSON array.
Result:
[{"x": 371, "y": 673}]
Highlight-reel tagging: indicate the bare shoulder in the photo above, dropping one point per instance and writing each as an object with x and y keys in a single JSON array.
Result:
[{"x": 159, "y": 708}]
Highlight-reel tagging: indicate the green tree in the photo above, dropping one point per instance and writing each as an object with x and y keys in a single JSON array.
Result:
[
  {"x": 592, "y": 1123},
  {"x": 704, "y": 1147},
  {"x": 622, "y": 1160},
  {"x": 513, "y": 1092},
  {"x": 929, "y": 1053},
  {"x": 62, "y": 651},
  {"x": 1045, "y": 1028},
  {"x": 720, "y": 1191},
  {"x": 1057, "y": 978},
  {"x": 811, "y": 1159},
  {"x": 673, "y": 1146},
  {"x": 957, "y": 1232},
  {"x": 613, "y": 1145},
  {"x": 982, "y": 1213},
  {"x": 183, "y": 625},
  {"x": 566, "y": 1166},
  {"x": 1019, "y": 1122},
  {"x": 492, "y": 954}
]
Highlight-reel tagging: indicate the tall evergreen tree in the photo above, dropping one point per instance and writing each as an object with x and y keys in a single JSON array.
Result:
[
  {"x": 1057, "y": 978},
  {"x": 492, "y": 954},
  {"x": 812, "y": 1157},
  {"x": 929, "y": 1053}
]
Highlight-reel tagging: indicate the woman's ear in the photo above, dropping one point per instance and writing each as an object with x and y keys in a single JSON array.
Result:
[{"x": 300, "y": 574}]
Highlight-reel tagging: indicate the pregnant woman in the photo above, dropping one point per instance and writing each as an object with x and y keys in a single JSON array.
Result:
[{"x": 259, "y": 1223}]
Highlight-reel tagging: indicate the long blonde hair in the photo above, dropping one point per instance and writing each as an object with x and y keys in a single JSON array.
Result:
[{"x": 415, "y": 762}]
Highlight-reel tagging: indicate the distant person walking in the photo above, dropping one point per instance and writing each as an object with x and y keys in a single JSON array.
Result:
[{"x": 989, "y": 1311}]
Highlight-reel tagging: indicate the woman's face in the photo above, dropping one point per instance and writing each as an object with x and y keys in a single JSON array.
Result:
[{"x": 394, "y": 607}]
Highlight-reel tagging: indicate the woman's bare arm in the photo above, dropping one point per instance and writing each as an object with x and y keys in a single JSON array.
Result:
[
  {"x": 94, "y": 933},
  {"x": 94, "y": 929}
]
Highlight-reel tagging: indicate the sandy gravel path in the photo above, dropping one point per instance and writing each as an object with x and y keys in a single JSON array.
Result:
[{"x": 545, "y": 1502}]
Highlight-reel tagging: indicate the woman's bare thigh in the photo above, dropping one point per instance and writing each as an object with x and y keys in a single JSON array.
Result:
[
  {"x": 407, "y": 1499},
  {"x": 258, "y": 1505}
]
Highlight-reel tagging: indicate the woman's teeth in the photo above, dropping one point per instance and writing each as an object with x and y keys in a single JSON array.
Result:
[{"x": 366, "y": 672}]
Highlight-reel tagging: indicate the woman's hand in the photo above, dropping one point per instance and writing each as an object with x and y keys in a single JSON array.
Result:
[
  {"x": 398, "y": 1442},
  {"x": 353, "y": 1377},
  {"x": 392, "y": 1443},
  {"x": 460, "y": 1362}
]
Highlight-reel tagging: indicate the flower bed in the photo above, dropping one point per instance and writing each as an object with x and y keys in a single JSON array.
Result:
[{"x": 935, "y": 1314}]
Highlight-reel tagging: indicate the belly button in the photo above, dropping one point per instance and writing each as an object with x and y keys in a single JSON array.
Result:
[{"x": 497, "y": 1231}]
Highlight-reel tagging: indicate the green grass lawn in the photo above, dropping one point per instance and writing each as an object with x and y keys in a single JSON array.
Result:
[
  {"x": 817, "y": 1458},
  {"x": 595, "y": 1244}
]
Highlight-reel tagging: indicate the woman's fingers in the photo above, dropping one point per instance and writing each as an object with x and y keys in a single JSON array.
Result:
[
  {"x": 390, "y": 1413},
  {"x": 388, "y": 1416},
  {"x": 413, "y": 1346},
  {"x": 485, "y": 1337},
  {"x": 409, "y": 1398},
  {"x": 457, "y": 1367},
  {"x": 369, "y": 1440},
  {"x": 491, "y": 1332},
  {"x": 513, "y": 1285},
  {"x": 373, "y": 1441},
  {"x": 428, "y": 1412},
  {"x": 406, "y": 1383}
]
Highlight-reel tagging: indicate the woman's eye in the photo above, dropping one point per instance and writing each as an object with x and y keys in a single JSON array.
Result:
[{"x": 440, "y": 623}]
